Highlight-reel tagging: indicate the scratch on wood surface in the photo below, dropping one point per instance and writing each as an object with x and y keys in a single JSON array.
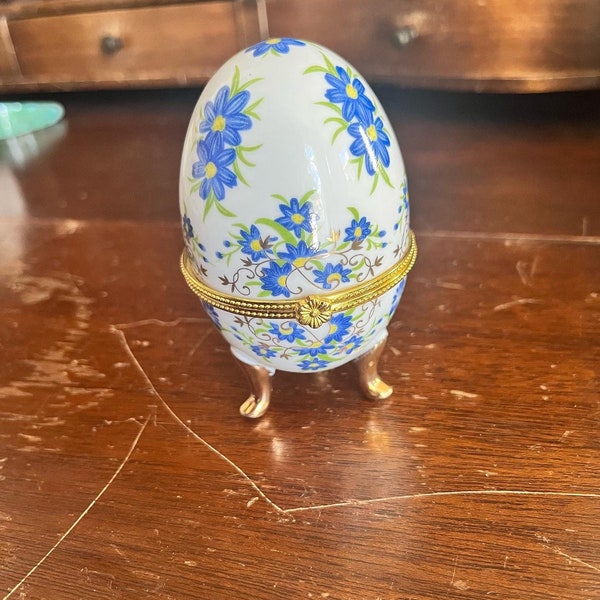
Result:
[
  {"x": 558, "y": 551},
  {"x": 86, "y": 511},
  {"x": 515, "y": 238},
  {"x": 516, "y": 302},
  {"x": 527, "y": 270},
  {"x": 442, "y": 494},
  {"x": 461, "y": 394},
  {"x": 116, "y": 329},
  {"x": 161, "y": 323}
]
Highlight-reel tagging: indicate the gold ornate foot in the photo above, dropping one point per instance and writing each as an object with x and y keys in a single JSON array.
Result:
[
  {"x": 370, "y": 382},
  {"x": 260, "y": 385}
]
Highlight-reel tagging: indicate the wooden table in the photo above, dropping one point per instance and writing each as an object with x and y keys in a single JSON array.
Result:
[{"x": 125, "y": 468}]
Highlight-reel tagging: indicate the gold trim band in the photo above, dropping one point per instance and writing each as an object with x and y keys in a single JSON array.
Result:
[{"x": 313, "y": 310}]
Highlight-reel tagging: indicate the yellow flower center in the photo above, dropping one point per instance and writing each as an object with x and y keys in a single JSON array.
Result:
[
  {"x": 273, "y": 41},
  {"x": 332, "y": 328},
  {"x": 357, "y": 232},
  {"x": 300, "y": 262},
  {"x": 285, "y": 329},
  {"x": 219, "y": 123},
  {"x": 351, "y": 91},
  {"x": 334, "y": 278},
  {"x": 211, "y": 170},
  {"x": 297, "y": 218},
  {"x": 372, "y": 133},
  {"x": 281, "y": 280},
  {"x": 255, "y": 245}
]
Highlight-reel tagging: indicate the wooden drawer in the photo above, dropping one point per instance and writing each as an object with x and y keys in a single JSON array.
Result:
[
  {"x": 177, "y": 43},
  {"x": 521, "y": 45}
]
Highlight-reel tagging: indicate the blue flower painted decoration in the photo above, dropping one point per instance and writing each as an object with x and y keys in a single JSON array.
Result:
[
  {"x": 358, "y": 230},
  {"x": 224, "y": 117},
  {"x": 370, "y": 141},
  {"x": 297, "y": 217},
  {"x": 299, "y": 255},
  {"x": 212, "y": 168},
  {"x": 287, "y": 331},
  {"x": 313, "y": 364},
  {"x": 355, "y": 113},
  {"x": 275, "y": 46},
  {"x": 274, "y": 279},
  {"x": 332, "y": 275},
  {"x": 350, "y": 93},
  {"x": 251, "y": 243},
  {"x": 219, "y": 148}
]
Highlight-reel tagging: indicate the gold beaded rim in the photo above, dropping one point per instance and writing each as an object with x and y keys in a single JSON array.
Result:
[{"x": 312, "y": 311}]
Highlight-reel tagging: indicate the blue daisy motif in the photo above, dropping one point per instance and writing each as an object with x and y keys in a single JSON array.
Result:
[
  {"x": 263, "y": 351},
  {"x": 188, "y": 228},
  {"x": 252, "y": 244},
  {"x": 212, "y": 167},
  {"x": 224, "y": 117},
  {"x": 358, "y": 230},
  {"x": 371, "y": 141},
  {"x": 339, "y": 325},
  {"x": 297, "y": 218},
  {"x": 332, "y": 275},
  {"x": 276, "y": 46},
  {"x": 274, "y": 279},
  {"x": 288, "y": 331},
  {"x": 350, "y": 93},
  {"x": 315, "y": 349},
  {"x": 313, "y": 364},
  {"x": 351, "y": 345},
  {"x": 298, "y": 255}
]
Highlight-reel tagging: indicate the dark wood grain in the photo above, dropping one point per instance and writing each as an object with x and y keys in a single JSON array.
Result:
[
  {"x": 495, "y": 45},
  {"x": 125, "y": 468}
]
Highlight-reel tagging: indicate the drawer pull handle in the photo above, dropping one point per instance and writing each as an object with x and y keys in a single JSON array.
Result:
[
  {"x": 405, "y": 35},
  {"x": 110, "y": 44}
]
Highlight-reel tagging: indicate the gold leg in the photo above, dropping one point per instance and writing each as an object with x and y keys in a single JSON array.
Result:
[
  {"x": 370, "y": 382},
  {"x": 260, "y": 386}
]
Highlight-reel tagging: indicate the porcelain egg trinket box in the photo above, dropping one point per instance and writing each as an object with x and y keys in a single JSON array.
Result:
[{"x": 295, "y": 214}]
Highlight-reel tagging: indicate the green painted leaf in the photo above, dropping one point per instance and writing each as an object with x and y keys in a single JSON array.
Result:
[
  {"x": 361, "y": 160},
  {"x": 264, "y": 294},
  {"x": 248, "y": 84},
  {"x": 336, "y": 120},
  {"x": 285, "y": 234},
  {"x": 337, "y": 133},
  {"x": 236, "y": 82},
  {"x": 354, "y": 213},
  {"x": 375, "y": 182},
  {"x": 195, "y": 187},
  {"x": 315, "y": 69},
  {"x": 330, "y": 66},
  {"x": 223, "y": 210},
  {"x": 208, "y": 205},
  {"x": 236, "y": 170},
  {"x": 384, "y": 175},
  {"x": 306, "y": 196},
  {"x": 330, "y": 105}
]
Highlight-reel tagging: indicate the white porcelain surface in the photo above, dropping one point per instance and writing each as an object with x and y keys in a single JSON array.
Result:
[{"x": 292, "y": 183}]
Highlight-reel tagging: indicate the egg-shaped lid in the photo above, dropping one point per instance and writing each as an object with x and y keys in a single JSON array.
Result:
[{"x": 292, "y": 182}]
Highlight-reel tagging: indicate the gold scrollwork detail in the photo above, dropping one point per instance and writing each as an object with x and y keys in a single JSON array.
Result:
[{"x": 312, "y": 311}]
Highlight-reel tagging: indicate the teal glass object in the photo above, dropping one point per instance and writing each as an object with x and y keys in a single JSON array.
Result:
[{"x": 21, "y": 118}]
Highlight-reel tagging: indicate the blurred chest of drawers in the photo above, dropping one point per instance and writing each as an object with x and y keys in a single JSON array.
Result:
[{"x": 485, "y": 45}]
